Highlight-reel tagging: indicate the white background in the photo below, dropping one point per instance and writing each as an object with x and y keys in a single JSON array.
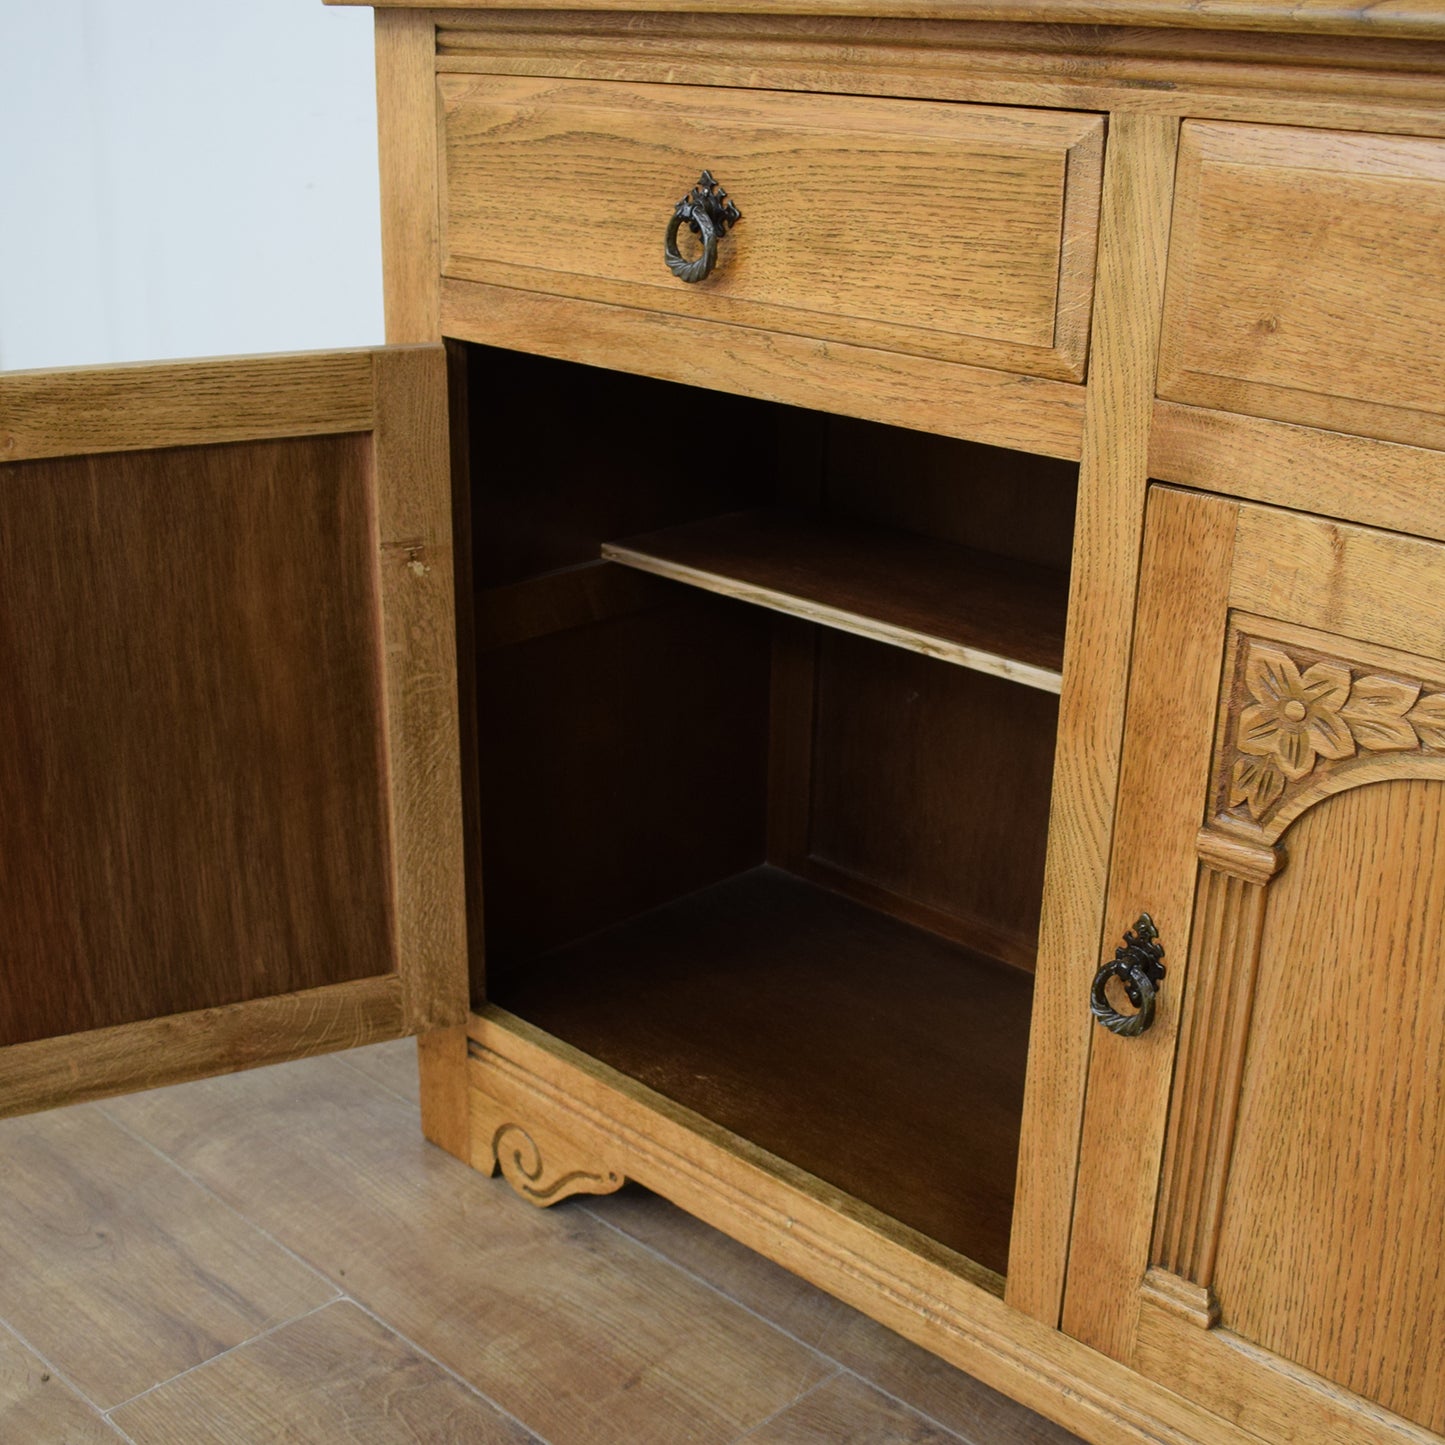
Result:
[{"x": 185, "y": 178}]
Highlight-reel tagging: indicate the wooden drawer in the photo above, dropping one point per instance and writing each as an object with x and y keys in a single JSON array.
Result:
[
  {"x": 1307, "y": 279},
  {"x": 962, "y": 233}
]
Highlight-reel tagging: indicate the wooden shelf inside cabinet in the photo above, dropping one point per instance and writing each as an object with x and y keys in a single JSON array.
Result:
[
  {"x": 880, "y": 1058},
  {"x": 971, "y": 608}
]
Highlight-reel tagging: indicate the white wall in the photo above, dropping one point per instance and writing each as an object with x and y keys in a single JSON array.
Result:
[{"x": 185, "y": 178}]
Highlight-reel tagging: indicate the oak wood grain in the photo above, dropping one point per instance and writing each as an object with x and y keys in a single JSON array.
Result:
[
  {"x": 1294, "y": 78},
  {"x": 1179, "y": 647},
  {"x": 153, "y": 1052},
  {"x": 996, "y": 407},
  {"x": 1359, "y": 479},
  {"x": 208, "y": 695},
  {"x": 340, "y": 1174},
  {"x": 147, "y": 406},
  {"x": 1134, "y": 228},
  {"x": 930, "y": 1295},
  {"x": 1332, "y": 1247},
  {"x": 417, "y": 605},
  {"x": 1379, "y": 587},
  {"x": 1424, "y": 19},
  {"x": 336, "y": 1375},
  {"x": 1304, "y": 279},
  {"x": 934, "y": 598},
  {"x": 195, "y": 793},
  {"x": 993, "y": 268},
  {"x": 1299, "y": 1297},
  {"x": 898, "y": 742},
  {"x": 1274, "y": 1400},
  {"x": 830, "y": 1011},
  {"x": 622, "y": 765},
  {"x": 541, "y": 511},
  {"x": 406, "y": 126},
  {"x": 168, "y": 1277},
  {"x": 998, "y": 500}
]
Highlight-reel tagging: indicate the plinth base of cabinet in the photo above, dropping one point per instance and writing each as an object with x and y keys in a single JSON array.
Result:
[{"x": 556, "y": 1123}]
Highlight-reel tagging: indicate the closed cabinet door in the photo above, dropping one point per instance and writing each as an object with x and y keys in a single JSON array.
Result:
[
  {"x": 1260, "y": 1222},
  {"x": 229, "y": 808}
]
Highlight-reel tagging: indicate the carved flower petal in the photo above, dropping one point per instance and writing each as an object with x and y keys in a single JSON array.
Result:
[
  {"x": 1329, "y": 735},
  {"x": 1270, "y": 676},
  {"x": 1429, "y": 720},
  {"x": 1376, "y": 714},
  {"x": 1258, "y": 782},
  {"x": 1326, "y": 685},
  {"x": 1258, "y": 727},
  {"x": 1295, "y": 750}
]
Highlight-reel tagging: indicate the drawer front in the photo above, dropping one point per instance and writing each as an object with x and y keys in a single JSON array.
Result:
[
  {"x": 1307, "y": 279},
  {"x": 963, "y": 233}
]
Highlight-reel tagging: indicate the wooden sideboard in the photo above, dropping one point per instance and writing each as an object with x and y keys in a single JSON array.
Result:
[{"x": 738, "y": 723}]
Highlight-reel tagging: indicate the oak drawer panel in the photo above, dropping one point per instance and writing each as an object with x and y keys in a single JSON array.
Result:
[
  {"x": 963, "y": 233},
  {"x": 1307, "y": 279}
]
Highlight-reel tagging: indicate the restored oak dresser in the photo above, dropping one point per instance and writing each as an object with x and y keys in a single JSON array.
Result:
[{"x": 887, "y": 681}]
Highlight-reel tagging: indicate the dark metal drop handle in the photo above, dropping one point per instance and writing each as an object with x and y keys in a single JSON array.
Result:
[
  {"x": 1137, "y": 965},
  {"x": 706, "y": 211}
]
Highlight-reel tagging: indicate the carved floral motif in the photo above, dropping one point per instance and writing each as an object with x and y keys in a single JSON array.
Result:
[{"x": 1296, "y": 717}]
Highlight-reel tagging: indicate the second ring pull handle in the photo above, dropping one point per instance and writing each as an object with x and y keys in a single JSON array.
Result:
[
  {"x": 1137, "y": 964},
  {"x": 708, "y": 213}
]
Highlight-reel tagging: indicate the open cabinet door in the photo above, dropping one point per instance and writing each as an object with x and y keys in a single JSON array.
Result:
[{"x": 230, "y": 819}]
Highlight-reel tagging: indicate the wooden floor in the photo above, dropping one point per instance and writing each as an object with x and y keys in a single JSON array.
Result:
[{"x": 277, "y": 1256}]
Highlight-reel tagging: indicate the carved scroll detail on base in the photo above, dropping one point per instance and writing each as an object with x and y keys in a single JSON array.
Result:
[
  {"x": 523, "y": 1167},
  {"x": 543, "y": 1164}
]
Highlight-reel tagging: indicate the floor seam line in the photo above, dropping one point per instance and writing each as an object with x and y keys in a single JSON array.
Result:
[
  {"x": 783, "y": 1409},
  {"x": 840, "y": 1367},
  {"x": 225, "y": 1203},
  {"x": 56, "y": 1372},
  {"x": 372, "y": 1079},
  {"x": 911, "y": 1408},
  {"x": 447, "y": 1369},
  {"x": 229, "y": 1350},
  {"x": 716, "y": 1289}
]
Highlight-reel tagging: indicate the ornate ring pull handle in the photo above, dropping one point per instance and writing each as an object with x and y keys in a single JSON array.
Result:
[
  {"x": 707, "y": 212},
  {"x": 1137, "y": 966}
]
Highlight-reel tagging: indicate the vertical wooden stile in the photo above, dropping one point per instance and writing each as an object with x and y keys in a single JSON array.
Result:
[
  {"x": 1133, "y": 244},
  {"x": 410, "y": 241}
]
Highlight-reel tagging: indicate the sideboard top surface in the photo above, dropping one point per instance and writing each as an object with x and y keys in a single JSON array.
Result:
[{"x": 1398, "y": 19}]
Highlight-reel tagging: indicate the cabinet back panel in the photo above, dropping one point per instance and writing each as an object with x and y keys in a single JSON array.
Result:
[
  {"x": 622, "y": 765},
  {"x": 190, "y": 732},
  {"x": 568, "y": 457},
  {"x": 930, "y": 783},
  {"x": 1009, "y": 503}
]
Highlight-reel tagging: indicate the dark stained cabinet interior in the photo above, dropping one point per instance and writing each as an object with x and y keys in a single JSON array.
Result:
[{"x": 765, "y": 708}]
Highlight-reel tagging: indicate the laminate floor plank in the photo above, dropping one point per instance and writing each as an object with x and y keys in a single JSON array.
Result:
[
  {"x": 845, "y": 1411},
  {"x": 615, "y": 1321},
  {"x": 575, "y": 1330},
  {"x": 336, "y": 1377},
  {"x": 392, "y": 1065},
  {"x": 39, "y": 1408},
  {"x": 121, "y": 1271},
  {"x": 965, "y": 1406}
]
